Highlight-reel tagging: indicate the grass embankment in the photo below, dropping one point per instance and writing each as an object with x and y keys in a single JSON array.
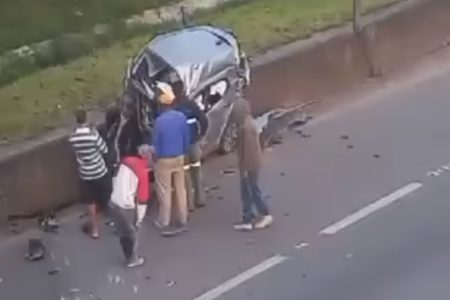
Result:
[
  {"x": 39, "y": 101},
  {"x": 26, "y": 21}
]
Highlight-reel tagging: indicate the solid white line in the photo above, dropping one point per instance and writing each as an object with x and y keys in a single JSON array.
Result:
[
  {"x": 368, "y": 210},
  {"x": 243, "y": 277}
]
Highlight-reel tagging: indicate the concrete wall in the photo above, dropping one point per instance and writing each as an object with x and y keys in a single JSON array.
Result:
[
  {"x": 45, "y": 176},
  {"x": 336, "y": 60},
  {"x": 39, "y": 179}
]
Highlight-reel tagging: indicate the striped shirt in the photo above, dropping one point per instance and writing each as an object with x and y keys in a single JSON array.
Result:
[{"x": 89, "y": 148}]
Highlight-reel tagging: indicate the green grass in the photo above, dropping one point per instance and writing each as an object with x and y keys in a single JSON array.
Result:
[
  {"x": 26, "y": 21},
  {"x": 34, "y": 103}
]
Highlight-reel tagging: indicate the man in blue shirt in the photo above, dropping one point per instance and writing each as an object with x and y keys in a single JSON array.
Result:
[{"x": 171, "y": 141}]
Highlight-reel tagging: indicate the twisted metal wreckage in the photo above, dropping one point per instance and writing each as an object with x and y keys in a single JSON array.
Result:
[{"x": 204, "y": 64}]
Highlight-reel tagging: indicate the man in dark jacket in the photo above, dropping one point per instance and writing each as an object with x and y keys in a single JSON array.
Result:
[
  {"x": 249, "y": 155},
  {"x": 198, "y": 124}
]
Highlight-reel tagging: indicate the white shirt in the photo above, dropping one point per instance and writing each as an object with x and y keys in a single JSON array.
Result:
[{"x": 125, "y": 186}]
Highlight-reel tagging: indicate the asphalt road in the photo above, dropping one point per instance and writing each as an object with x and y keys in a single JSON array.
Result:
[{"x": 361, "y": 210}]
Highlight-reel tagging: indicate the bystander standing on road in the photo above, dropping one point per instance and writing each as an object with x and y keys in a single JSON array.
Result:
[
  {"x": 170, "y": 142},
  {"x": 90, "y": 150},
  {"x": 198, "y": 125},
  {"x": 249, "y": 159},
  {"x": 129, "y": 202}
]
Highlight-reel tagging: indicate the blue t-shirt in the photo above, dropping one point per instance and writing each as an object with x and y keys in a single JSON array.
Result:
[{"x": 171, "y": 134}]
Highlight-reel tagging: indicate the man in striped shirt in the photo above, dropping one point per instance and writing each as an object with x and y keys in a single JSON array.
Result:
[{"x": 90, "y": 150}]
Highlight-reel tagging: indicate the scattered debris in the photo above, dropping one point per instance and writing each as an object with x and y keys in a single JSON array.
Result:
[
  {"x": 350, "y": 146},
  {"x": 301, "y": 245},
  {"x": 211, "y": 189},
  {"x": 36, "y": 250},
  {"x": 171, "y": 283},
  {"x": 135, "y": 289},
  {"x": 282, "y": 174},
  {"x": 303, "y": 135},
  {"x": 276, "y": 140},
  {"x": 345, "y": 137},
  {"x": 74, "y": 290},
  {"x": 376, "y": 156},
  {"x": 349, "y": 256},
  {"x": 54, "y": 271},
  {"x": 118, "y": 280},
  {"x": 434, "y": 174},
  {"x": 109, "y": 223},
  {"x": 287, "y": 214},
  {"x": 49, "y": 224},
  {"x": 1, "y": 280},
  {"x": 220, "y": 198},
  {"x": 229, "y": 171},
  {"x": 297, "y": 123},
  {"x": 66, "y": 261},
  {"x": 110, "y": 279},
  {"x": 272, "y": 124},
  {"x": 13, "y": 228},
  {"x": 148, "y": 277},
  {"x": 304, "y": 275}
]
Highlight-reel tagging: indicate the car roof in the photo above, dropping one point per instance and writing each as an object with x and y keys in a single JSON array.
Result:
[{"x": 195, "y": 46}]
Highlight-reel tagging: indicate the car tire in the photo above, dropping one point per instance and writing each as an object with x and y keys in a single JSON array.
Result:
[{"x": 229, "y": 139}]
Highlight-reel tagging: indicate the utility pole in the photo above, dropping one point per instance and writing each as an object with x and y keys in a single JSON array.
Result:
[
  {"x": 357, "y": 10},
  {"x": 183, "y": 16},
  {"x": 360, "y": 32}
]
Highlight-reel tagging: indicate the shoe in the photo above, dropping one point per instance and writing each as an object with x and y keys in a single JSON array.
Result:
[
  {"x": 87, "y": 229},
  {"x": 136, "y": 263},
  {"x": 200, "y": 205},
  {"x": 174, "y": 231},
  {"x": 265, "y": 222},
  {"x": 243, "y": 226}
]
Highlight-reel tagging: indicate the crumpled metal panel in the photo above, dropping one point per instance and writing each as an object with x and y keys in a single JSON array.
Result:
[{"x": 197, "y": 53}]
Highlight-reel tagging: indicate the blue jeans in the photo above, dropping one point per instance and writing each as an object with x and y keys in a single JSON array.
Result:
[{"x": 252, "y": 198}]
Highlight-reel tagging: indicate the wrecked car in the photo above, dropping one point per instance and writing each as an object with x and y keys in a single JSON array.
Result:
[{"x": 205, "y": 63}]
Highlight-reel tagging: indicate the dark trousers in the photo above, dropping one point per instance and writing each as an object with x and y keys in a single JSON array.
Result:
[
  {"x": 252, "y": 198},
  {"x": 124, "y": 220},
  {"x": 194, "y": 187}
]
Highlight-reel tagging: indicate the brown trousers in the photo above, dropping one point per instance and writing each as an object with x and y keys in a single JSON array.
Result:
[{"x": 170, "y": 174}]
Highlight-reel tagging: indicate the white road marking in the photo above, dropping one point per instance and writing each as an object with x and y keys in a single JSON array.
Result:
[
  {"x": 368, "y": 210},
  {"x": 243, "y": 277}
]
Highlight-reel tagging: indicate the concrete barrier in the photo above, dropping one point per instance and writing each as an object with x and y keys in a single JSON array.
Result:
[
  {"x": 336, "y": 60},
  {"x": 44, "y": 176}
]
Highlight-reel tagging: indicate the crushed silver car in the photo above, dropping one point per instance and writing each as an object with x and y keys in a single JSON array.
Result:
[{"x": 205, "y": 63}]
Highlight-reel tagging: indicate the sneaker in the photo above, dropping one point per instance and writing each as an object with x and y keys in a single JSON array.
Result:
[
  {"x": 200, "y": 204},
  {"x": 243, "y": 227},
  {"x": 173, "y": 231},
  {"x": 136, "y": 263},
  {"x": 265, "y": 222}
]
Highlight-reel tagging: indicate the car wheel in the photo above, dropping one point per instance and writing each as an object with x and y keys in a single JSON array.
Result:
[{"x": 229, "y": 139}]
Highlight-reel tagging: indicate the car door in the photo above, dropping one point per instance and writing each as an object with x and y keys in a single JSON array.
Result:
[{"x": 213, "y": 101}]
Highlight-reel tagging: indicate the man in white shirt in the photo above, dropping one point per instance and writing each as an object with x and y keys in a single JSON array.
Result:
[{"x": 131, "y": 192}]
